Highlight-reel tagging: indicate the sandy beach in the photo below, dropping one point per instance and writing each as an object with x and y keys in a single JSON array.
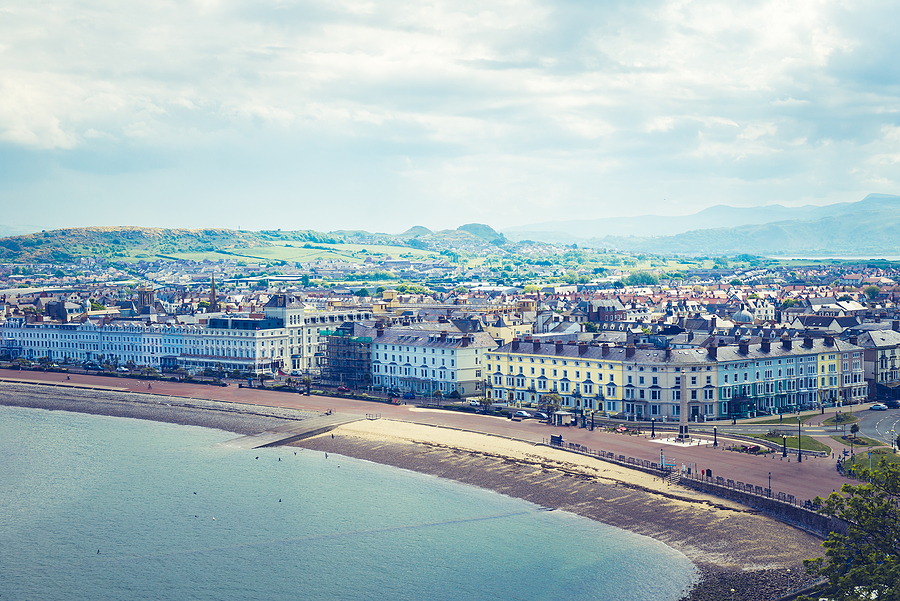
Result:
[{"x": 733, "y": 546}]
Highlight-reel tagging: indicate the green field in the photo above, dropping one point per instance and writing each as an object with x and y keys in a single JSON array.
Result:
[{"x": 293, "y": 252}]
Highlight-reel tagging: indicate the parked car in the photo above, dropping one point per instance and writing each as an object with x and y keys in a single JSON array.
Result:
[
  {"x": 878, "y": 407},
  {"x": 122, "y": 370},
  {"x": 408, "y": 395},
  {"x": 521, "y": 413},
  {"x": 892, "y": 404},
  {"x": 474, "y": 404},
  {"x": 541, "y": 415},
  {"x": 343, "y": 389}
]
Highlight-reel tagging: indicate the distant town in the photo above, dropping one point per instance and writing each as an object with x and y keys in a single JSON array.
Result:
[{"x": 624, "y": 336}]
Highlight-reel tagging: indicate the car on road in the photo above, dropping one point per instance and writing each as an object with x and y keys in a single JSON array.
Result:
[
  {"x": 541, "y": 415},
  {"x": 878, "y": 407},
  {"x": 408, "y": 395},
  {"x": 122, "y": 370},
  {"x": 521, "y": 414},
  {"x": 892, "y": 404}
]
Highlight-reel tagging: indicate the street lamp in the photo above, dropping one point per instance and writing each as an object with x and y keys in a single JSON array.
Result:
[
  {"x": 715, "y": 436},
  {"x": 783, "y": 446},
  {"x": 653, "y": 427},
  {"x": 799, "y": 444},
  {"x": 770, "y": 484}
]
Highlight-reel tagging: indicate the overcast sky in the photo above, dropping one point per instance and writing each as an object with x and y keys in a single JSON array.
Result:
[{"x": 383, "y": 115}]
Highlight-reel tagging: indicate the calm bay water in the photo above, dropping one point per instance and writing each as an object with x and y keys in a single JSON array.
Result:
[{"x": 175, "y": 514}]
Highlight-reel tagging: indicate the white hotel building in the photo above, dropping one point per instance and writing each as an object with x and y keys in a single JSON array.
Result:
[{"x": 286, "y": 337}]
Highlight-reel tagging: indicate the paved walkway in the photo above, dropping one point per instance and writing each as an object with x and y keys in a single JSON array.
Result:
[{"x": 813, "y": 477}]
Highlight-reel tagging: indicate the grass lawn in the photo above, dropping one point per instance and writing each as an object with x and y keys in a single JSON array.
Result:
[
  {"x": 862, "y": 459},
  {"x": 788, "y": 419},
  {"x": 846, "y": 418},
  {"x": 809, "y": 443},
  {"x": 860, "y": 441}
]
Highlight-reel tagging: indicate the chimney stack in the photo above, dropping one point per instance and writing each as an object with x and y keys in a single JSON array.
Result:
[
  {"x": 765, "y": 345},
  {"x": 808, "y": 341},
  {"x": 854, "y": 340},
  {"x": 582, "y": 348},
  {"x": 604, "y": 349},
  {"x": 829, "y": 340},
  {"x": 629, "y": 350},
  {"x": 744, "y": 346},
  {"x": 786, "y": 342},
  {"x": 444, "y": 336},
  {"x": 515, "y": 344},
  {"x": 895, "y": 325},
  {"x": 536, "y": 345},
  {"x": 559, "y": 347},
  {"x": 712, "y": 350}
]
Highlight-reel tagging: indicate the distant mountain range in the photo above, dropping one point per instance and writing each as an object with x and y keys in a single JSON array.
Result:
[{"x": 867, "y": 227}]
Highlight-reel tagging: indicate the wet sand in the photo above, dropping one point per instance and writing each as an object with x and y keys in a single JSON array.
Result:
[{"x": 733, "y": 546}]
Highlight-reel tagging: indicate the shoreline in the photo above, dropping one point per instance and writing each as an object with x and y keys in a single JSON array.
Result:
[{"x": 732, "y": 546}]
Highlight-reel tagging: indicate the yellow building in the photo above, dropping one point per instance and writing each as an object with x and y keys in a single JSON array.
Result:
[{"x": 587, "y": 377}]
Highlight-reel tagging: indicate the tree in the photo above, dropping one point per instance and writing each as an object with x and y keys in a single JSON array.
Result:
[
  {"x": 735, "y": 282},
  {"x": 551, "y": 402},
  {"x": 362, "y": 292},
  {"x": 871, "y": 292},
  {"x": 590, "y": 326},
  {"x": 864, "y": 562},
  {"x": 641, "y": 279},
  {"x": 788, "y": 303},
  {"x": 854, "y": 430},
  {"x": 485, "y": 403}
]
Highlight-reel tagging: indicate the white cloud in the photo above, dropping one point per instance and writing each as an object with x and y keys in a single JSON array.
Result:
[{"x": 509, "y": 108}]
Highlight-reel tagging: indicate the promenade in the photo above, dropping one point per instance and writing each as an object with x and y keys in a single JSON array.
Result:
[{"x": 813, "y": 477}]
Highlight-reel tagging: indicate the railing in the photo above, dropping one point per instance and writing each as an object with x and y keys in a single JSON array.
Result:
[{"x": 666, "y": 470}]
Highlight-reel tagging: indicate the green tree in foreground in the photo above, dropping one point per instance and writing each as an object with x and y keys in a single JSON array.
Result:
[{"x": 864, "y": 563}]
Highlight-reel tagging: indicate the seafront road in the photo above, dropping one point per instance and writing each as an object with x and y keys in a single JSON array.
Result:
[{"x": 813, "y": 477}]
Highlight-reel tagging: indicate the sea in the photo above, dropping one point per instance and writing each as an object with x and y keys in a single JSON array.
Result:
[{"x": 98, "y": 508}]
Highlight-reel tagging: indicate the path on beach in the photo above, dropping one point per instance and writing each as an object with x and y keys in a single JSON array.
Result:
[{"x": 813, "y": 477}]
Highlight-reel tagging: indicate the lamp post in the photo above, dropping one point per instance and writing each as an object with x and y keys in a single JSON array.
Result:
[
  {"x": 715, "y": 436},
  {"x": 770, "y": 484},
  {"x": 799, "y": 444},
  {"x": 653, "y": 427},
  {"x": 783, "y": 446}
]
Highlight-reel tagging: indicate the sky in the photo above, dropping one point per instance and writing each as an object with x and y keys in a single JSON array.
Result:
[{"x": 385, "y": 115}]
